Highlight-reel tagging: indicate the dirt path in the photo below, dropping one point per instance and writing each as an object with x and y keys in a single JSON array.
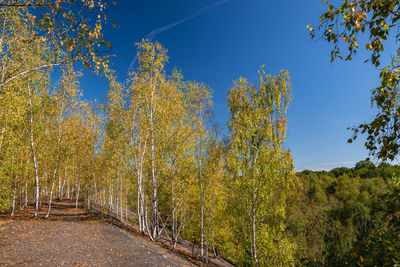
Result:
[{"x": 75, "y": 238}]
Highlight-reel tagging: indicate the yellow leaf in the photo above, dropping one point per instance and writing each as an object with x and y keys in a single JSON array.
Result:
[{"x": 86, "y": 64}]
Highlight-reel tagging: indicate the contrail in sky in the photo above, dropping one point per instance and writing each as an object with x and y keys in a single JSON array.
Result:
[{"x": 157, "y": 31}]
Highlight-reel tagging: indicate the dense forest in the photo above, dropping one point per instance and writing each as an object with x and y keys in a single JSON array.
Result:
[
  {"x": 347, "y": 216},
  {"x": 151, "y": 154}
]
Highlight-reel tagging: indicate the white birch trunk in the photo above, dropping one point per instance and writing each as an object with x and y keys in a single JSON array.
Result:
[
  {"x": 199, "y": 163},
  {"x": 154, "y": 214},
  {"x": 95, "y": 188},
  {"x": 68, "y": 191},
  {"x": 126, "y": 205},
  {"x": 140, "y": 187},
  {"x": 13, "y": 204},
  {"x": 77, "y": 196},
  {"x": 32, "y": 147},
  {"x": 59, "y": 187},
  {"x": 139, "y": 213},
  {"x": 62, "y": 190},
  {"x": 117, "y": 197},
  {"x": 253, "y": 230},
  {"x": 121, "y": 199},
  {"x": 51, "y": 193},
  {"x": 110, "y": 196},
  {"x": 59, "y": 134},
  {"x": 14, "y": 196},
  {"x": 26, "y": 194}
]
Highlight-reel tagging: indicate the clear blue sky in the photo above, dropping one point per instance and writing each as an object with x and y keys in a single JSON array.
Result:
[{"x": 233, "y": 39}]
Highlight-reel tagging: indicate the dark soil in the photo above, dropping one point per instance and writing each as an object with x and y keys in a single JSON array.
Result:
[{"x": 75, "y": 238}]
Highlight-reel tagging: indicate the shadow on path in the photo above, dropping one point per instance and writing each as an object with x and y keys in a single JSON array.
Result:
[{"x": 60, "y": 210}]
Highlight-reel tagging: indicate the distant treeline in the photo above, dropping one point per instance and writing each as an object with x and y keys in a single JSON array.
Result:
[{"x": 347, "y": 216}]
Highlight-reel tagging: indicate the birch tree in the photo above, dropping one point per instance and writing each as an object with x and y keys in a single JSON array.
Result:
[
  {"x": 65, "y": 98},
  {"x": 262, "y": 170},
  {"x": 150, "y": 73},
  {"x": 115, "y": 141}
]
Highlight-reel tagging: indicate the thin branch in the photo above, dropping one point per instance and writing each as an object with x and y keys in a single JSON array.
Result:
[{"x": 31, "y": 70}]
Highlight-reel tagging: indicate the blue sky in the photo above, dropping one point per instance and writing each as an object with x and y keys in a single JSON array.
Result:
[{"x": 233, "y": 39}]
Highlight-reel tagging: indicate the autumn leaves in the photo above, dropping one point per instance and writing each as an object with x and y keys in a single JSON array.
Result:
[{"x": 149, "y": 154}]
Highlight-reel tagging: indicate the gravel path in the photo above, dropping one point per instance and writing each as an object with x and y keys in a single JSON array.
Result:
[{"x": 74, "y": 238}]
